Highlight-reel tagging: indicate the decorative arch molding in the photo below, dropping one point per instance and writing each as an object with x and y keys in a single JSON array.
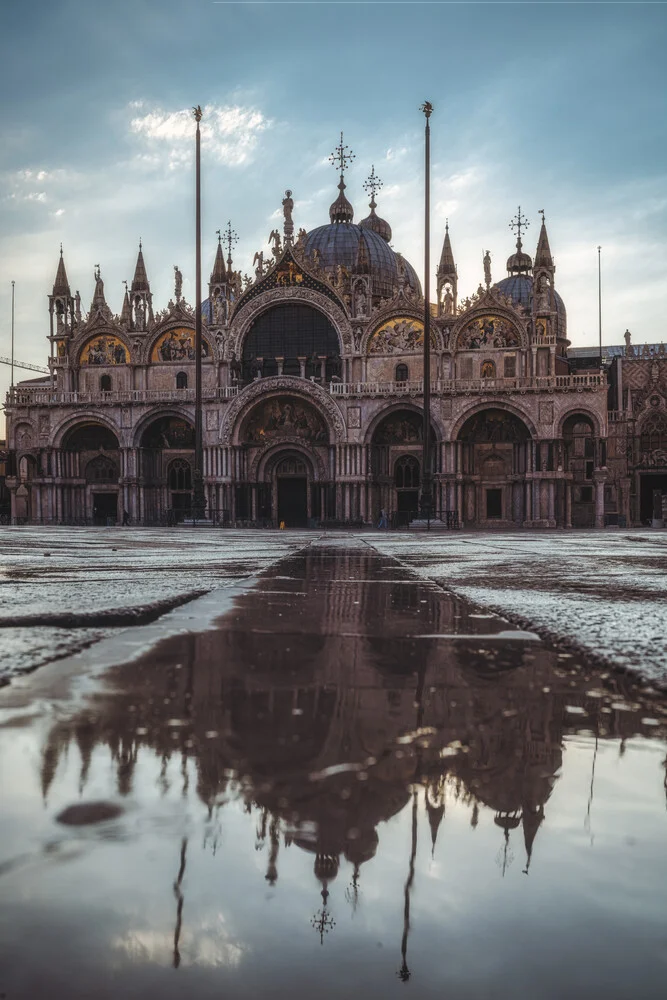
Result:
[
  {"x": 262, "y": 388},
  {"x": 179, "y": 412},
  {"x": 586, "y": 414},
  {"x": 280, "y": 296},
  {"x": 87, "y": 416},
  {"x": 518, "y": 324},
  {"x": 268, "y": 457},
  {"x": 521, "y": 415},
  {"x": 397, "y": 407}
]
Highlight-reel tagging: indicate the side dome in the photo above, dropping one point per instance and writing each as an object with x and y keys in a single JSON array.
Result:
[
  {"x": 378, "y": 225},
  {"x": 338, "y": 244},
  {"x": 519, "y": 287}
]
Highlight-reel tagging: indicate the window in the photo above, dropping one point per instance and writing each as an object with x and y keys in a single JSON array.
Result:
[
  {"x": 509, "y": 366},
  {"x": 180, "y": 475},
  {"x": 654, "y": 433},
  {"x": 488, "y": 369},
  {"x": 105, "y": 383},
  {"x": 182, "y": 380},
  {"x": 101, "y": 470},
  {"x": 291, "y": 332},
  {"x": 406, "y": 473},
  {"x": 401, "y": 374}
]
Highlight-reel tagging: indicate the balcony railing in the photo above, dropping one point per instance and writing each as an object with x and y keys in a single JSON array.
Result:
[
  {"x": 548, "y": 383},
  {"x": 39, "y": 396}
]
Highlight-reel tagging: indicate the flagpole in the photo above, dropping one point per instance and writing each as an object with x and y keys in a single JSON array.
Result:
[
  {"x": 12, "y": 359},
  {"x": 600, "y": 302},
  {"x": 427, "y": 482},
  {"x": 198, "y": 496}
]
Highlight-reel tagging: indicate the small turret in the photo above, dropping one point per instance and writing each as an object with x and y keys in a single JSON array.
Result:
[
  {"x": 61, "y": 304},
  {"x": 447, "y": 278}
]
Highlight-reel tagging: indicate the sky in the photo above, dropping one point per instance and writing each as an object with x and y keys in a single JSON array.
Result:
[{"x": 555, "y": 106}]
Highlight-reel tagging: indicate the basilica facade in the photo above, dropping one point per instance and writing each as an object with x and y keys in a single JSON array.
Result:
[{"x": 312, "y": 396}]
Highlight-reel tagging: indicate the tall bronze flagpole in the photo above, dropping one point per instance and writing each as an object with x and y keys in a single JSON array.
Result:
[
  {"x": 427, "y": 479},
  {"x": 198, "y": 497},
  {"x": 600, "y": 302}
]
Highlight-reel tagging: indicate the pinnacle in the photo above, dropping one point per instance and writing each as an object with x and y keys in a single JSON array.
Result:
[{"x": 140, "y": 280}]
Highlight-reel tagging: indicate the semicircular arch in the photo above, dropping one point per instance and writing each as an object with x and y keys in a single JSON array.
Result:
[
  {"x": 400, "y": 406},
  {"x": 585, "y": 414},
  {"x": 154, "y": 416},
  {"x": 82, "y": 418},
  {"x": 242, "y": 326},
  {"x": 496, "y": 405},
  {"x": 281, "y": 385}
]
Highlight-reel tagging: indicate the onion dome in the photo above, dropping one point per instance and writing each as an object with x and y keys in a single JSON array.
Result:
[
  {"x": 519, "y": 262},
  {"x": 339, "y": 244},
  {"x": 373, "y": 221},
  {"x": 341, "y": 210}
]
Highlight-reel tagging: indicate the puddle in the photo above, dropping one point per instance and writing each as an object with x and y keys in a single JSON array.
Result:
[{"x": 364, "y": 783}]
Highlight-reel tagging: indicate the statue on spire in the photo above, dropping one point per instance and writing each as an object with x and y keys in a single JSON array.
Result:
[
  {"x": 178, "y": 283},
  {"x": 487, "y": 268},
  {"x": 288, "y": 226}
]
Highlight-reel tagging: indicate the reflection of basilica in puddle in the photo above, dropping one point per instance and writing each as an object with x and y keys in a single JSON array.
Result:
[{"x": 336, "y": 694}]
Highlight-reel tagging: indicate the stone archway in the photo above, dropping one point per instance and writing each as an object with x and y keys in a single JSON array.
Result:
[
  {"x": 494, "y": 453},
  {"x": 166, "y": 454}
]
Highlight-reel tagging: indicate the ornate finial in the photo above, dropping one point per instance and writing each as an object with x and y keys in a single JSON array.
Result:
[
  {"x": 540, "y": 211},
  {"x": 427, "y": 108},
  {"x": 372, "y": 185},
  {"x": 140, "y": 243},
  {"x": 231, "y": 239},
  {"x": 124, "y": 283},
  {"x": 446, "y": 225},
  {"x": 97, "y": 272},
  {"x": 341, "y": 157},
  {"x": 61, "y": 249},
  {"x": 197, "y": 112},
  {"x": 518, "y": 223},
  {"x": 219, "y": 235}
]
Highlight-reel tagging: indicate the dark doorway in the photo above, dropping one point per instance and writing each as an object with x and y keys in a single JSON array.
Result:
[
  {"x": 647, "y": 483},
  {"x": 293, "y": 501},
  {"x": 494, "y": 504},
  {"x": 407, "y": 505},
  {"x": 105, "y": 508},
  {"x": 180, "y": 504}
]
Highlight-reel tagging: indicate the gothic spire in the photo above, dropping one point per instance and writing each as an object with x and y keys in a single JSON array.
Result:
[
  {"x": 126, "y": 311},
  {"x": 447, "y": 267},
  {"x": 61, "y": 284},
  {"x": 140, "y": 280},
  {"x": 543, "y": 256},
  {"x": 218, "y": 274}
]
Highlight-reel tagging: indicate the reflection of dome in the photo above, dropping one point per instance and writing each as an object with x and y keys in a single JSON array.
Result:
[
  {"x": 520, "y": 289},
  {"x": 338, "y": 243}
]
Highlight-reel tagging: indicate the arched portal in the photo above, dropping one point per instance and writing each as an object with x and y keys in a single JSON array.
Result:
[
  {"x": 166, "y": 454},
  {"x": 91, "y": 453},
  {"x": 396, "y": 461},
  {"x": 495, "y": 456},
  {"x": 286, "y": 457},
  {"x": 294, "y": 339}
]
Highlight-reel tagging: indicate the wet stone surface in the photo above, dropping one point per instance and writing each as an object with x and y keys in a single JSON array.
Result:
[{"x": 357, "y": 784}]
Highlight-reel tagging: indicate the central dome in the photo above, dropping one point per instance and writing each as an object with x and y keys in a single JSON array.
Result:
[{"x": 338, "y": 244}]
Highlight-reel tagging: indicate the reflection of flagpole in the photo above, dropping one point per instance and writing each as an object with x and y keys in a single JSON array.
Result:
[
  {"x": 404, "y": 971},
  {"x": 179, "y": 904}
]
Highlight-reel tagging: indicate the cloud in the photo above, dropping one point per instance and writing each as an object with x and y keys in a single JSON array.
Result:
[{"x": 230, "y": 133}]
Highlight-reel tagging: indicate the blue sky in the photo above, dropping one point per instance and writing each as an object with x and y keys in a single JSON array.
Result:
[{"x": 560, "y": 106}]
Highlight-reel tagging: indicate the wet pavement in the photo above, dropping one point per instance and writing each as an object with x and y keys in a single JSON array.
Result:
[{"x": 355, "y": 784}]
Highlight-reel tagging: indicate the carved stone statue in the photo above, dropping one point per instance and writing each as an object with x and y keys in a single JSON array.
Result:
[
  {"x": 178, "y": 283},
  {"x": 448, "y": 301},
  {"x": 542, "y": 299},
  {"x": 301, "y": 240},
  {"x": 235, "y": 367},
  {"x": 219, "y": 310},
  {"x": 487, "y": 268},
  {"x": 77, "y": 306},
  {"x": 288, "y": 225},
  {"x": 139, "y": 314},
  {"x": 628, "y": 341},
  {"x": 360, "y": 302},
  {"x": 258, "y": 259},
  {"x": 274, "y": 237}
]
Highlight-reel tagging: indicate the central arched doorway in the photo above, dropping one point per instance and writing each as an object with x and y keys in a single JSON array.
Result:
[
  {"x": 91, "y": 453},
  {"x": 166, "y": 457},
  {"x": 291, "y": 479},
  {"x": 495, "y": 455}
]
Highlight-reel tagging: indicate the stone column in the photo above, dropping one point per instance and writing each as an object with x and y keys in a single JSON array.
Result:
[
  {"x": 568, "y": 503},
  {"x": 599, "y": 478},
  {"x": 624, "y": 488},
  {"x": 302, "y": 366},
  {"x": 281, "y": 364},
  {"x": 551, "y": 500}
]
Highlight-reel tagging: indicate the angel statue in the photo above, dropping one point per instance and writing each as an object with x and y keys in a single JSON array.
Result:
[
  {"x": 178, "y": 283},
  {"x": 274, "y": 237},
  {"x": 288, "y": 205},
  {"x": 301, "y": 240},
  {"x": 259, "y": 260}
]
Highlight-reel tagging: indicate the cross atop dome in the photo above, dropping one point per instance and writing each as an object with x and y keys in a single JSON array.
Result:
[
  {"x": 518, "y": 223},
  {"x": 341, "y": 156},
  {"x": 372, "y": 185}
]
